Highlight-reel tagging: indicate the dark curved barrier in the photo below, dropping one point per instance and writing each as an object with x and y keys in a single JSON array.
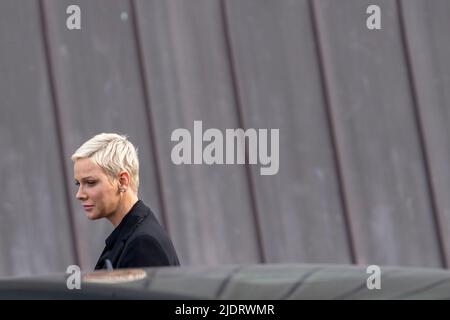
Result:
[{"x": 277, "y": 281}]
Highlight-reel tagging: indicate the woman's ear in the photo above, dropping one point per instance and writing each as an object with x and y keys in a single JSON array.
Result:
[{"x": 124, "y": 181}]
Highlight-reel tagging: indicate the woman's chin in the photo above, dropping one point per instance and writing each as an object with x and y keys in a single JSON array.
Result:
[{"x": 92, "y": 216}]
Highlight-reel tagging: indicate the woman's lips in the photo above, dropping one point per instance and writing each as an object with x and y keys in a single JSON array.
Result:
[{"x": 87, "y": 208}]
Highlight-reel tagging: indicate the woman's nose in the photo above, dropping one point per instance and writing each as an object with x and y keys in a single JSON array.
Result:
[{"x": 80, "y": 194}]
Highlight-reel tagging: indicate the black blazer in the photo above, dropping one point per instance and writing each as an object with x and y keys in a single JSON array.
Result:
[{"x": 138, "y": 241}]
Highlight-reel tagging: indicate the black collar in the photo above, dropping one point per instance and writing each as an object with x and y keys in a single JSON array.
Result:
[{"x": 136, "y": 214}]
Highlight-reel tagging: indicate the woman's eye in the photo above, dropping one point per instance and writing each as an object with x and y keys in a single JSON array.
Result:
[
  {"x": 77, "y": 183},
  {"x": 91, "y": 183}
]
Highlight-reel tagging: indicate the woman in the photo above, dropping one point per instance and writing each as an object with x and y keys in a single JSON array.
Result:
[{"x": 106, "y": 170}]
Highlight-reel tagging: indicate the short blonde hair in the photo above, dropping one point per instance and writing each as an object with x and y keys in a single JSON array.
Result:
[{"x": 113, "y": 153}]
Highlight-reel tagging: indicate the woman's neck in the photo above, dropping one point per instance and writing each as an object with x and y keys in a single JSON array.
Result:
[{"x": 127, "y": 202}]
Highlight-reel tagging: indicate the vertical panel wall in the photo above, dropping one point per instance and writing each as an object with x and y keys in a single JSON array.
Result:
[
  {"x": 35, "y": 234},
  {"x": 379, "y": 146},
  {"x": 97, "y": 77},
  {"x": 426, "y": 27},
  {"x": 362, "y": 117},
  {"x": 209, "y": 208},
  {"x": 279, "y": 85}
]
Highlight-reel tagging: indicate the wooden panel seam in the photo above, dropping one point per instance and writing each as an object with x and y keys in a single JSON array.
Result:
[
  {"x": 54, "y": 100},
  {"x": 238, "y": 103},
  {"x": 147, "y": 105},
  {"x": 334, "y": 139},
  {"x": 436, "y": 213}
]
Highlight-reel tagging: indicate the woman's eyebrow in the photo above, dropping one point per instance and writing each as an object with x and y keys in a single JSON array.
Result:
[{"x": 86, "y": 178}]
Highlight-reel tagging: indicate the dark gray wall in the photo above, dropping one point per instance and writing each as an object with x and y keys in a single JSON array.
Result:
[{"x": 362, "y": 114}]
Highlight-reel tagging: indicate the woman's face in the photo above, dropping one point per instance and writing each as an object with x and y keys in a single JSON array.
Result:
[{"x": 97, "y": 193}]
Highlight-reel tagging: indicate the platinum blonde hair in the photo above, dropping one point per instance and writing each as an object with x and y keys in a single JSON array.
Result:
[{"x": 113, "y": 153}]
